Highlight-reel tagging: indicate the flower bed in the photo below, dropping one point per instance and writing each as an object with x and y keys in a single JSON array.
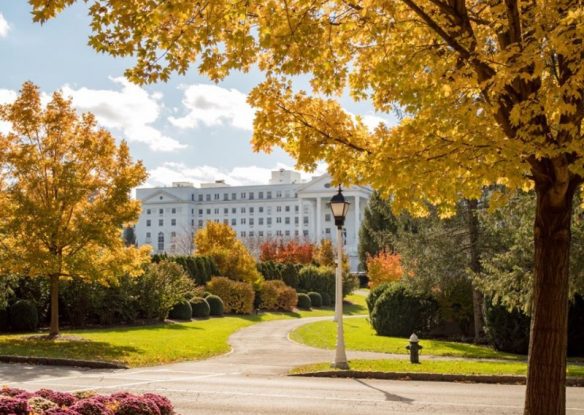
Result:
[{"x": 15, "y": 401}]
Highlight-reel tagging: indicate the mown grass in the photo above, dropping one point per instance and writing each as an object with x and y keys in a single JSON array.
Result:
[
  {"x": 458, "y": 367},
  {"x": 360, "y": 336},
  {"x": 153, "y": 344}
]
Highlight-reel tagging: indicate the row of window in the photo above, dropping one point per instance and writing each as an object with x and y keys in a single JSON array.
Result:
[
  {"x": 242, "y": 196},
  {"x": 161, "y": 211},
  {"x": 251, "y": 210},
  {"x": 160, "y": 239},
  {"x": 160, "y": 222},
  {"x": 242, "y": 221},
  {"x": 261, "y": 221}
]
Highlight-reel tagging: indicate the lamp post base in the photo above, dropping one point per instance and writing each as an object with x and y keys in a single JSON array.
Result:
[{"x": 340, "y": 365}]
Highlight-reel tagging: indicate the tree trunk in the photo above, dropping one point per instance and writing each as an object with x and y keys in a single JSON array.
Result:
[
  {"x": 475, "y": 265},
  {"x": 54, "y": 288},
  {"x": 546, "y": 376}
]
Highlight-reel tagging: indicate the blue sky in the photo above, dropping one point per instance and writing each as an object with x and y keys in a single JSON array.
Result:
[{"x": 186, "y": 129}]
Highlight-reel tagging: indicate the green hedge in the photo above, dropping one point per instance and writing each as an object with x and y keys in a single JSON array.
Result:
[
  {"x": 23, "y": 316},
  {"x": 400, "y": 312},
  {"x": 315, "y": 299},
  {"x": 216, "y": 305},
  {"x": 181, "y": 311},
  {"x": 201, "y": 308},
  {"x": 304, "y": 301}
]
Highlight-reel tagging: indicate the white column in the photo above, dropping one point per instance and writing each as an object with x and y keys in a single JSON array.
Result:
[{"x": 318, "y": 215}]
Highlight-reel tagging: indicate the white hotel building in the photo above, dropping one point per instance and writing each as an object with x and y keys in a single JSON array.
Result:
[{"x": 286, "y": 208}]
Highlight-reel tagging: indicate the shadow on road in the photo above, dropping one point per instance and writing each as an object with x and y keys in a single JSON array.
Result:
[{"x": 388, "y": 396}]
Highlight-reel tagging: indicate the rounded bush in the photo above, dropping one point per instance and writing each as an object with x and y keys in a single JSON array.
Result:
[
  {"x": 374, "y": 294},
  {"x": 181, "y": 311},
  {"x": 238, "y": 296},
  {"x": 24, "y": 316},
  {"x": 401, "y": 312},
  {"x": 216, "y": 306},
  {"x": 200, "y": 307},
  {"x": 315, "y": 299},
  {"x": 304, "y": 301},
  {"x": 327, "y": 301},
  {"x": 4, "y": 320},
  {"x": 206, "y": 294},
  {"x": 507, "y": 331}
]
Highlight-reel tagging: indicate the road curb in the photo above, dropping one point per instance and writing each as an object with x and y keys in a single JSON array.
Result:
[
  {"x": 92, "y": 364},
  {"x": 431, "y": 377}
]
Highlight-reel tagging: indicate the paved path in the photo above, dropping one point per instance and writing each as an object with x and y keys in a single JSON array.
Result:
[{"x": 250, "y": 380}]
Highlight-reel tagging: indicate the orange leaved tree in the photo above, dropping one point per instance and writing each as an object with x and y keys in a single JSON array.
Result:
[{"x": 64, "y": 196}]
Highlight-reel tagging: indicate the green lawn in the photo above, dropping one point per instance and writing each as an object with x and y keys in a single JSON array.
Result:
[
  {"x": 360, "y": 336},
  {"x": 459, "y": 367},
  {"x": 156, "y": 344}
]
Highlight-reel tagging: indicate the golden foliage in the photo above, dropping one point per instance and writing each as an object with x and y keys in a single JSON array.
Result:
[
  {"x": 487, "y": 92},
  {"x": 65, "y": 193},
  {"x": 220, "y": 242}
]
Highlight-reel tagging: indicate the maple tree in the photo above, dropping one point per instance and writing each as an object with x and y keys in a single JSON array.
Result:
[
  {"x": 384, "y": 267},
  {"x": 64, "y": 196},
  {"x": 292, "y": 251},
  {"x": 490, "y": 92},
  {"x": 219, "y": 241}
]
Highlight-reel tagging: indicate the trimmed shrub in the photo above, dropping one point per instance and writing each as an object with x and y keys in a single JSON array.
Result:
[
  {"x": 327, "y": 301},
  {"x": 290, "y": 274},
  {"x": 181, "y": 311},
  {"x": 24, "y": 316},
  {"x": 238, "y": 297},
  {"x": 374, "y": 294},
  {"x": 315, "y": 299},
  {"x": 4, "y": 320},
  {"x": 401, "y": 312},
  {"x": 304, "y": 301},
  {"x": 216, "y": 306},
  {"x": 206, "y": 294},
  {"x": 317, "y": 279},
  {"x": 201, "y": 308},
  {"x": 507, "y": 331},
  {"x": 277, "y": 296}
]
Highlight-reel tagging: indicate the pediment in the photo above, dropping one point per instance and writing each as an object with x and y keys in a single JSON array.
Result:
[
  {"x": 161, "y": 196},
  {"x": 323, "y": 184}
]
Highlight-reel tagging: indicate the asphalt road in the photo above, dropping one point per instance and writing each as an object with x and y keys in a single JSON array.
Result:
[{"x": 251, "y": 380}]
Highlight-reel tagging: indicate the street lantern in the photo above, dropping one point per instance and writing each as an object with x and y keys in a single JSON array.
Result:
[{"x": 339, "y": 208}]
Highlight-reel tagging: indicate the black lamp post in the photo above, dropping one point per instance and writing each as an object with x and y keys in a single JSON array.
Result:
[{"x": 339, "y": 208}]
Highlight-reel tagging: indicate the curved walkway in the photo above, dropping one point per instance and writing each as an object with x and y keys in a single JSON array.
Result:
[{"x": 266, "y": 349}]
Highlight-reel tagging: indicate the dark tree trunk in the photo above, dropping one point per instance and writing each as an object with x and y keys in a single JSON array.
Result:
[
  {"x": 475, "y": 265},
  {"x": 54, "y": 289},
  {"x": 546, "y": 377}
]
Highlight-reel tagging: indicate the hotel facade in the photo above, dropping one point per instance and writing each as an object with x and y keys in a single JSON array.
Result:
[{"x": 284, "y": 209}]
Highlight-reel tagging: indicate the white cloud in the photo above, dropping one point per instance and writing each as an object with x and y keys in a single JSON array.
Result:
[
  {"x": 4, "y": 26},
  {"x": 372, "y": 121},
  {"x": 6, "y": 96},
  {"x": 170, "y": 172},
  {"x": 131, "y": 110},
  {"x": 212, "y": 105}
]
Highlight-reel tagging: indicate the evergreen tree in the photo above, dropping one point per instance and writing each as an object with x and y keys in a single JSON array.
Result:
[{"x": 378, "y": 229}]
